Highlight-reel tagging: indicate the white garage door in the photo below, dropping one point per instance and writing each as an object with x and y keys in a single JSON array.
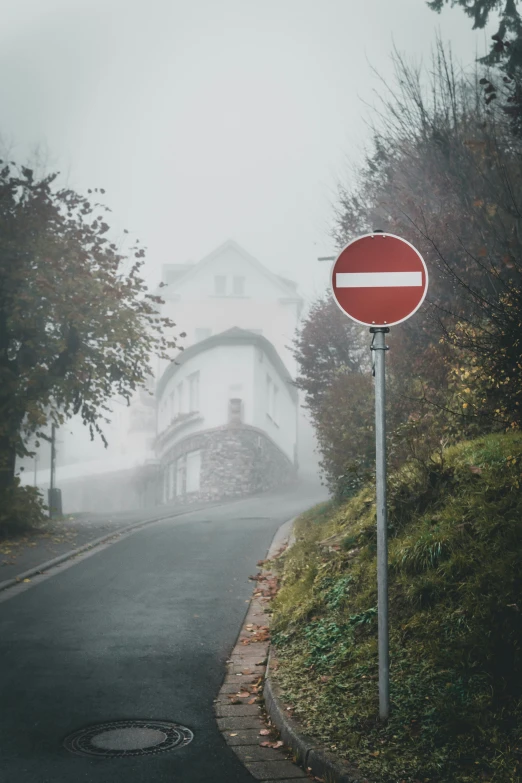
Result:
[{"x": 193, "y": 470}]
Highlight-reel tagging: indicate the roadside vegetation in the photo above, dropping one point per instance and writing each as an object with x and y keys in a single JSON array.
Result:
[
  {"x": 444, "y": 171},
  {"x": 455, "y": 571},
  {"x": 77, "y": 324}
]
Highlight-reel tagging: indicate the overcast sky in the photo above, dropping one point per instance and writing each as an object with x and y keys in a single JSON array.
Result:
[{"x": 209, "y": 119}]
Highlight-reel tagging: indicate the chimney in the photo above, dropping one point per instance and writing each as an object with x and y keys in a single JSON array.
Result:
[{"x": 235, "y": 410}]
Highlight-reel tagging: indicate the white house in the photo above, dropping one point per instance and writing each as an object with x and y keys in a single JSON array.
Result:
[
  {"x": 228, "y": 288},
  {"x": 232, "y": 396},
  {"x": 227, "y": 416}
]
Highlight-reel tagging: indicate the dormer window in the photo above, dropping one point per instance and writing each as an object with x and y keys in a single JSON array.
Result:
[
  {"x": 220, "y": 285},
  {"x": 239, "y": 286}
]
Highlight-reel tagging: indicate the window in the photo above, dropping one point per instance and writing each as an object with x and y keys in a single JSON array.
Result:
[
  {"x": 274, "y": 402},
  {"x": 239, "y": 286},
  {"x": 180, "y": 476},
  {"x": 193, "y": 471},
  {"x": 272, "y": 392},
  {"x": 166, "y": 484},
  {"x": 203, "y": 333},
  {"x": 193, "y": 391},
  {"x": 220, "y": 285},
  {"x": 172, "y": 467},
  {"x": 179, "y": 398}
]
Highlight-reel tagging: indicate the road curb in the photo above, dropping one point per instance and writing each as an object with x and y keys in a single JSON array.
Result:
[
  {"x": 35, "y": 570},
  {"x": 313, "y": 758}
]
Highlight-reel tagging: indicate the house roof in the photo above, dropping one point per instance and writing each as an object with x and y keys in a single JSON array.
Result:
[
  {"x": 234, "y": 336},
  {"x": 288, "y": 287}
]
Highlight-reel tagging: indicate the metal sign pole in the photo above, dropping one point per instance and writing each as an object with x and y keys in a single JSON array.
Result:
[
  {"x": 379, "y": 346},
  {"x": 380, "y": 278}
]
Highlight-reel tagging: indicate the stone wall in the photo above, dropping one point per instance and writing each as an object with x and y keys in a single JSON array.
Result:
[{"x": 236, "y": 460}]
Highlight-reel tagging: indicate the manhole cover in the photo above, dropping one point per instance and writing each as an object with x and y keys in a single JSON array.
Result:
[{"x": 128, "y": 738}]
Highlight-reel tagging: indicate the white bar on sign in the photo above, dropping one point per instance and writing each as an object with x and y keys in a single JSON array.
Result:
[{"x": 378, "y": 279}]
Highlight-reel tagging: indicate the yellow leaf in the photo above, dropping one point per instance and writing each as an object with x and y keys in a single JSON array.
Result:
[{"x": 27, "y": 580}]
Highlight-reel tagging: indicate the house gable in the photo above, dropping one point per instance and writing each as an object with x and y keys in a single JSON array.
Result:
[{"x": 229, "y": 271}]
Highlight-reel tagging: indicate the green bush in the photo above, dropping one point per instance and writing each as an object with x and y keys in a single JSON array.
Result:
[{"x": 21, "y": 509}]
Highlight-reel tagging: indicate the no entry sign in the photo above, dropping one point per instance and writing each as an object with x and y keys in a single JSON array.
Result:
[{"x": 379, "y": 279}]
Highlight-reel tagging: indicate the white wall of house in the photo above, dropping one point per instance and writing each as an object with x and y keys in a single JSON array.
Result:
[
  {"x": 274, "y": 409},
  {"x": 232, "y": 289},
  {"x": 226, "y": 372},
  {"x": 223, "y": 372}
]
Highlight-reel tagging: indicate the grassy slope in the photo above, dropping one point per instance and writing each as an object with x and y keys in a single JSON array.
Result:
[{"x": 455, "y": 571}]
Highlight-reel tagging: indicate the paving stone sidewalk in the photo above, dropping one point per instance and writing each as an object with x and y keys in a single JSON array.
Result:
[
  {"x": 239, "y": 713},
  {"x": 250, "y": 712}
]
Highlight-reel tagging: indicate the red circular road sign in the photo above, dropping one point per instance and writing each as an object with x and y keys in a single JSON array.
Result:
[{"x": 379, "y": 279}]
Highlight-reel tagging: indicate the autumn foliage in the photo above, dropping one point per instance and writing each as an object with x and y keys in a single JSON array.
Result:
[
  {"x": 445, "y": 172},
  {"x": 76, "y": 322}
]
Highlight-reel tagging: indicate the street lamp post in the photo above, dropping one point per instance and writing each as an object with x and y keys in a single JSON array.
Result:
[{"x": 53, "y": 469}]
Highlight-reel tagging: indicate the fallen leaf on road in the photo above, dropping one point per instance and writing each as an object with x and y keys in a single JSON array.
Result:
[
  {"x": 264, "y": 732},
  {"x": 233, "y": 735},
  {"x": 27, "y": 580}
]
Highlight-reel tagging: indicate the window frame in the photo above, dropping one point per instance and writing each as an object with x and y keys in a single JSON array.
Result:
[
  {"x": 241, "y": 279},
  {"x": 180, "y": 398},
  {"x": 193, "y": 392},
  {"x": 218, "y": 292}
]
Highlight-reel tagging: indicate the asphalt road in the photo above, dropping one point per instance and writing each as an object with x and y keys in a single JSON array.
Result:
[{"x": 140, "y": 630}]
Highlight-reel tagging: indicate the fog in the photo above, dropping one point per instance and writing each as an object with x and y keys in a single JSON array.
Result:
[{"x": 219, "y": 129}]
